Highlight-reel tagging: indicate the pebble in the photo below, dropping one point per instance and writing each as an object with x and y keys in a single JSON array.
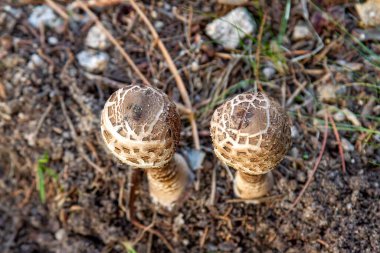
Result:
[
  {"x": 347, "y": 145},
  {"x": 52, "y": 40},
  {"x": 60, "y": 235},
  {"x": 159, "y": 25},
  {"x": 269, "y": 72},
  {"x": 97, "y": 39},
  {"x": 229, "y": 29},
  {"x": 301, "y": 32},
  {"x": 327, "y": 93},
  {"x": 339, "y": 116},
  {"x": 194, "y": 66},
  {"x": 93, "y": 61},
  {"x": 301, "y": 177},
  {"x": 44, "y": 15},
  {"x": 35, "y": 62},
  {"x": 15, "y": 12},
  {"x": 294, "y": 132}
]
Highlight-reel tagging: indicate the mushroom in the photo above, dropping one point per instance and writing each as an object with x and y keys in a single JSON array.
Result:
[
  {"x": 251, "y": 133},
  {"x": 141, "y": 127}
]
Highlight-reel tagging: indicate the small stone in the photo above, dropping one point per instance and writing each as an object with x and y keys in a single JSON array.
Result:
[
  {"x": 53, "y": 40},
  {"x": 60, "y": 235},
  {"x": 154, "y": 14},
  {"x": 159, "y": 25},
  {"x": 15, "y": 12},
  {"x": 301, "y": 177},
  {"x": 35, "y": 62},
  {"x": 231, "y": 28},
  {"x": 269, "y": 72},
  {"x": 93, "y": 61},
  {"x": 301, "y": 32},
  {"x": 376, "y": 110},
  {"x": 294, "y": 132},
  {"x": 44, "y": 15},
  {"x": 346, "y": 145},
  {"x": 96, "y": 39},
  {"x": 327, "y": 93},
  {"x": 339, "y": 116},
  {"x": 194, "y": 66}
]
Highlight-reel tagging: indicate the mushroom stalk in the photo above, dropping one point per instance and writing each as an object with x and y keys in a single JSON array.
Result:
[
  {"x": 141, "y": 127},
  {"x": 248, "y": 186},
  {"x": 167, "y": 184}
]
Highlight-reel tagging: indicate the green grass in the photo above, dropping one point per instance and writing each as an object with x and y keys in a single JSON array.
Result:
[{"x": 42, "y": 171}]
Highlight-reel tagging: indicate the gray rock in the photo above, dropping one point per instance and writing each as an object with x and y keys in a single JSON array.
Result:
[
  {"x": 159, "y": 25},
  {"x": 294, "y": 132},
  {"x": 339, "y": 116},
  {"x": 231, "y": 28},
  {"x": 44, "y": 15},
  {"x": 15, "y": 12},
  {"x": 269, "y": 72},
  {"x": 302, "y": 32},
  {"x": 93, "y": 61},
  {"x": 53, "y": 40},
  {"x": 346, "y": 145},
  {"x": 97, "y": 39},
  {"x": 35, "y": 62}
]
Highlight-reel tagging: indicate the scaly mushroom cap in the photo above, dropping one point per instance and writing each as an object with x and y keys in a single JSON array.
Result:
[
  {"x": 251, "y": 133},
  {"x": 141, "y": 126}
]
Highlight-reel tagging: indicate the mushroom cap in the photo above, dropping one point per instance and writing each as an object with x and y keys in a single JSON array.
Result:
[
  {"x": 251, "y": 133},
  {"x": 140, "y": 126}
]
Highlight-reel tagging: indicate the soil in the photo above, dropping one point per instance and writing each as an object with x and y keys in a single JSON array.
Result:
[{"x": 53, "y": 108}]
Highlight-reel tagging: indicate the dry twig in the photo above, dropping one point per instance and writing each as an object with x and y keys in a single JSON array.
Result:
[{"x": 337, "y": 137}]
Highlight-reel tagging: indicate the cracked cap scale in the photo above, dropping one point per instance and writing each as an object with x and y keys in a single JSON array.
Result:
[
  {"x": 251, "y": 133},
  {"x": 140, "y": 126}
]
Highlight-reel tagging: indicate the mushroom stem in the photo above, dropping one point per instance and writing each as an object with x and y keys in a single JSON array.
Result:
[
  {"x": 168, "y": 184},
  {"x": 248, "y": 186}
]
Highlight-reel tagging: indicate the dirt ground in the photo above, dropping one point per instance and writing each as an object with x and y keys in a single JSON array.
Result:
[{"x": 49, "y": 128}]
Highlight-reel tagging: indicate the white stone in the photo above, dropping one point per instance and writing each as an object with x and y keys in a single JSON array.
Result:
[
  {"x": 339, "y": 116},
  {"x": 35, "y": 62},
  {"x": 60, "y": 235},
  {"x": 194, "y": 66},
  {"x": 97, "y": 39},
  {"x": 44, "y": 15},
  {"x": 346, "y": 145},
  {"x": 327, "y": 93},
  {"x": 294, "y": 132},
  {"x": 53, "y": 40},
  {"x": 231, "y": 28},
  {"x": 269, "y": 72},
  {"x": 159, "y": 25},
  {"x": 93, "y": 61},
  {"x": 15, "y": 12},
  {"x": 301, "y": 31}
]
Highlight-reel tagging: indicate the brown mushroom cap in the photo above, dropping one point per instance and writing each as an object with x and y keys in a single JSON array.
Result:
[
  {"x": 251, "y": 133},
  {"x": 141, "y": 126}
]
